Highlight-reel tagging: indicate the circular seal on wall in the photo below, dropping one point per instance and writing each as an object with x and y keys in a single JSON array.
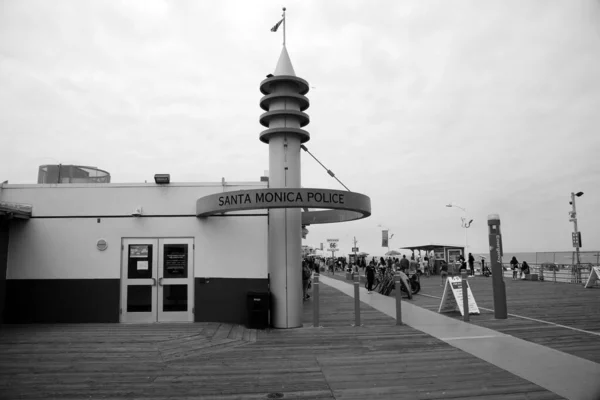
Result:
[{"x": 101, "y": 244}]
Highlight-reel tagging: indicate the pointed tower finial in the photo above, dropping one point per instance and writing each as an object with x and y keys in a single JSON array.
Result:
[{"x": 284, "y": 65}]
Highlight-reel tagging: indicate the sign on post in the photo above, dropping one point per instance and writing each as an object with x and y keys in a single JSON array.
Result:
[
  {"x": 452, "y": 299},
  {"x": 576, "y": 237},
  {"x": 333, "y": 244},
  {"x": 594, "y": 276},
  {"x": 355, "y": 249}
]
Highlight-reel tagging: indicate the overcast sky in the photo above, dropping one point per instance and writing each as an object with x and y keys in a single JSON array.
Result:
[{"x": 492, "y": 105}]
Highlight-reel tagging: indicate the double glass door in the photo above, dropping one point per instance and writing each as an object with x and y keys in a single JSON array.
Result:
[{"x": 157, "y": 277}]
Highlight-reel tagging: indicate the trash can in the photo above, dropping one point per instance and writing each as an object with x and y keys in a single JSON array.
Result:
[{"x": 258, "y": 305}]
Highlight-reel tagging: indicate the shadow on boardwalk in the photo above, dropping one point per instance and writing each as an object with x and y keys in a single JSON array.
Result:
[{"x": 220, "y": 361}]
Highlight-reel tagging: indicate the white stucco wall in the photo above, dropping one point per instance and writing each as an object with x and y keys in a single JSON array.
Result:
[{"x": 64, "y": 246}]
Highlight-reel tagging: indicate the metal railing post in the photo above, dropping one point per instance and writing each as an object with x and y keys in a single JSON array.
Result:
[
  {"x": 465, "y": 293},
  {"x": 316, "y": 300},
  {"x": 398, "y": 300},
  {"x": 357, "y": 300}
]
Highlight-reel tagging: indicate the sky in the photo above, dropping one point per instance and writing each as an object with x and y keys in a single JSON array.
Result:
[{"x": 492, "y": 106}]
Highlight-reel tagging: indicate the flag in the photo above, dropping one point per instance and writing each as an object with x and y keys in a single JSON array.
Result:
[
  {"x": 274, "y": 28},
  {"x": 384, "y": 238}
]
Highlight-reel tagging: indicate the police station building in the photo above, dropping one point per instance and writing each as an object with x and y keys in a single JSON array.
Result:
[{"x": 76, "y": 248}]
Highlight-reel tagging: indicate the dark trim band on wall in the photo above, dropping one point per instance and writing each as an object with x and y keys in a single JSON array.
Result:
[
  {"x": 98, "y": 300},
  {"x": 62, "y": 300},
  {"x": 141, "y": 216}
]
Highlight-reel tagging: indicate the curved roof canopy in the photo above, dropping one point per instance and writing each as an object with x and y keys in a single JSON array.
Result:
[{"x": 431, "y": 247}]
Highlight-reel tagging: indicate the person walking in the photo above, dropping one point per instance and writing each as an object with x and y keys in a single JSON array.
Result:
[
  {"x": 524, "y": 269},
  {"x": 370, "y": 270},
  {"x": 432, "y": 263},
  {"x": 472, "y": 264},
  {"x": 382, "y": 265},
  {"x": 515, "y": 267},
  {"x": 482, "y": 265},
  {"x": 306, "y": 274},
  {"x": 463, "y": 263},
  {"x": 404, "y": 263},
  {"x": 444, "y": 271}
]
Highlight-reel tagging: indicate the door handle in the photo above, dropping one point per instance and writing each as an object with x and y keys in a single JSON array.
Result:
[
  {"x": 160, "y": 281},
  {"x": 153, "y": 281}
]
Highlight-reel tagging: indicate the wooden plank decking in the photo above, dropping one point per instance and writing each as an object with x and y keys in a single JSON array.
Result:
[
  {"x": 565, "y": 304},
  {"x": 219, "y": 361}
]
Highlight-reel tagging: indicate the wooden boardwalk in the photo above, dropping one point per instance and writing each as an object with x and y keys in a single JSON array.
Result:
[
  {"x": 220, "y": 361},
  {"x": 562, "y": 316},
  {"x": 565, "y": 317}
]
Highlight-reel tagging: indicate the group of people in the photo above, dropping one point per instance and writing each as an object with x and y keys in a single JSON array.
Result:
[
  {"x": 403, "y": 266},
  {"x": 413, "y": 264},
  {"x": 400, "y": 266},
  {"x": 463, "y": 264},
  {"x": 514, "y": 265}
]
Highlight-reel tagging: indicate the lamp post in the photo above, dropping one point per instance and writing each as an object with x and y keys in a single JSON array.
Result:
[
  {"x": 390, "y": 235},
  {"x": 465, "y": 224},
  {"x": 576, "y": 234}
]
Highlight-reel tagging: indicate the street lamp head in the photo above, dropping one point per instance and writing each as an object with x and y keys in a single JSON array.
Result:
[
  {"x": 579, "y": 194},
  {"x": 448, "y": 205}
]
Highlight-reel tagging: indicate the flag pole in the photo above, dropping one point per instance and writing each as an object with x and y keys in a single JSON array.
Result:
[{"x": 283, "y": 26}]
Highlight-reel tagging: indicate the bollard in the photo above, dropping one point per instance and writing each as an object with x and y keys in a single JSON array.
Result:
[
  {"x": 465, "y": 294},
  {"x": 356, "y": 300},
  {"x": 498, "y": 286},
  {"x": 316, "y": 300},
  {"x": 398, "y": 300}
]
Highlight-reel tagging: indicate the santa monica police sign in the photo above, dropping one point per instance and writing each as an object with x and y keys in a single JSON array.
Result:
[{"x": 340, "y": 205}]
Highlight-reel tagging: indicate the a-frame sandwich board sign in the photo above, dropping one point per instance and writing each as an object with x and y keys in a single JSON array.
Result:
[
  {"x": 594, "y": 276},
  {"x": 452, "y": 299}
]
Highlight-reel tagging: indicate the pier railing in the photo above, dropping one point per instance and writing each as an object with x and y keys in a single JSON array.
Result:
[{"x": 557, "y": 273}]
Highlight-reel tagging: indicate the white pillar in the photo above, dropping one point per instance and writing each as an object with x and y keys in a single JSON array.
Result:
[{"x": 285, "y": 235}]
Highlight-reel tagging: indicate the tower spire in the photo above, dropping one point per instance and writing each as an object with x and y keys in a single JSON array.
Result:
[{"x": 284, "y": 65}]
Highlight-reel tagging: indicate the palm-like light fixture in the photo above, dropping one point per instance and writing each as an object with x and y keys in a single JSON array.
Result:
[{"x": 466, "y": 224}]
